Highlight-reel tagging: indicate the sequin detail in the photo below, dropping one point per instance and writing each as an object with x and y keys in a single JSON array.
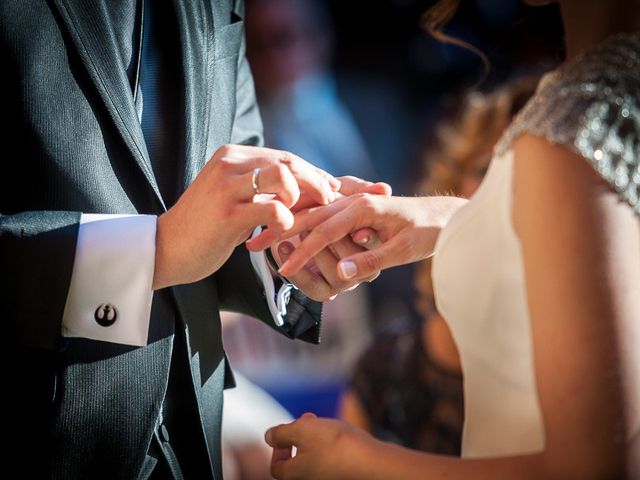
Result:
[{"x": 592, "y": 106}]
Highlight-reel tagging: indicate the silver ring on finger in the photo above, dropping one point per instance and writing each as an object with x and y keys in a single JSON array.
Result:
[{"x": 254, "y": 180}]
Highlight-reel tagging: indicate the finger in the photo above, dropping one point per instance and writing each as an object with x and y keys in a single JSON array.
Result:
[
  {"x": 309, "y": 279},
  {"x": 262, "y": 241},
  {"x": 313, "y": 284},
  {"x": 288, "y": 158},
  {"x": 284, "y": 469},
  {"x": 326, "y": 264},
  {"x": 368, "y": 264},
  {"x": 308, "y": 219},
  {"x": 305, "y": 201},
  {"x": 272, "y": 213},
  {"x": 278, "y": 180},
  {"x": 274, "y": 179},
  {"x": 281, "y": 454},
  {"x": 316, "y": 182},
  {"x": 367, "y": 238},
  {"x": 305, "y": 220},
  {"x": 352, "y": 185},
  {"x": 379, "y": 188},
  {"x": 319, "y": 184},
  {"x": 281, "y": 462},
  {"x": 282, "y": 436},
  {"x": 341, "y": 224},
  {"x": 345, "y": 247}
]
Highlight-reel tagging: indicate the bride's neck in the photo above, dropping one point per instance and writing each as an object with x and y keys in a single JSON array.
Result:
[{"x": 588, "y": 23}]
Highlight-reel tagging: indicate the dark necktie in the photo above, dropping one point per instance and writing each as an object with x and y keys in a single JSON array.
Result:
[
  {"x": 159, "y": 106},
  {"x": 161, "y": 94}
]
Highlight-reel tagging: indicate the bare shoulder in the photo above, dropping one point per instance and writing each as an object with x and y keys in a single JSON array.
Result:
[
  {"x": 580, "y": 245},
  {"x": 562, "y": 185}
]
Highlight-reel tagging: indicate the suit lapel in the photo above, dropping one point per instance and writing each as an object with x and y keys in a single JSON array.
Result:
[
  {"x": 90, "y": 25},
  {"x": 195, "y": 25}
]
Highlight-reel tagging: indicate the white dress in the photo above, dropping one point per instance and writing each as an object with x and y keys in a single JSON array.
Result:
[{"x": 592, "y": 106}]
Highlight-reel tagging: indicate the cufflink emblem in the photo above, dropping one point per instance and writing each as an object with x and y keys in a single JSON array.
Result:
[{"x": 106, "y": 315}]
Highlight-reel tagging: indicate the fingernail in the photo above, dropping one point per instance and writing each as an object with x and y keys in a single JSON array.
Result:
[
  {"x": 267, "y": 436},
  {"x": 364, "y": 240},
  {"x": 335, "y": 183},
  {"x": 348, "y": 269},
  {"x": 284, "y": 250}
]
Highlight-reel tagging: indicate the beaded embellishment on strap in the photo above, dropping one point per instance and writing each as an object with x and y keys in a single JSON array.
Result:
[{"x": 592, "y": 105}]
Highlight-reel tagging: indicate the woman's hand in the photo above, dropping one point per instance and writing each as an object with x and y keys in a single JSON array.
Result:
[
  {"x": 220, "y": 209},
  {"x": 406, "y": 231},
  {"x": 325, "y": 449}
]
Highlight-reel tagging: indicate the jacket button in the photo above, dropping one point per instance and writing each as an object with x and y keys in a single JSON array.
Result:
[
  {"x": 106, "y": 315},
  {"x": 164, "y": 434}
]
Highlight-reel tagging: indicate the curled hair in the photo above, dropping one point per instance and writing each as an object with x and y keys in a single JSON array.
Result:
[
  {"x": 458, "y": 142},
  {"x": 436, "y": 19}
]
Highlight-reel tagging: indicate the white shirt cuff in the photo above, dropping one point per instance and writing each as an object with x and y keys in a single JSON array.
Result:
[
  {"x": 111, "y": 291},
  {"x": 277, "y": 290}
]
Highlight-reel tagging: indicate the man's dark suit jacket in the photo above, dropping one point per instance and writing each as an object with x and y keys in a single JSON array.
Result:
[{"x": 72, "y": 143}]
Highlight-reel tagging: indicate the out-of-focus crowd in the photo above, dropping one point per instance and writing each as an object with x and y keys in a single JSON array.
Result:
[{"x": 387, "y": 362}]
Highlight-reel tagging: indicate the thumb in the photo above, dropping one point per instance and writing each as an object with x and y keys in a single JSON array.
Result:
[
  {"x": 369, "y": 263},
  {"x": 379, "y": 188},
  {"x": 281, "y": 436}
]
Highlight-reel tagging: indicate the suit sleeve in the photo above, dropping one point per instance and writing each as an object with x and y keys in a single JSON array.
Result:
[
  {"x": 239, "y": 285},
  {"x": 37, "y": 252}
]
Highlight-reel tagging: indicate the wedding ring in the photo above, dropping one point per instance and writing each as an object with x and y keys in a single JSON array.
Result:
[{"x": 254, "y": 180}]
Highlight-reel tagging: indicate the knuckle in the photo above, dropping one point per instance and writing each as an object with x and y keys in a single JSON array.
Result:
[
  {"x": 224, "y": 150},
  {"x": 281, "y": 173},
  {"x": 323, "y": 233},
  {"x": 368, "y": 203},
  {"x": 224, "y": 163},
  {"x": 230, "y": 211},
  {"x": 371, "y": 261},
  {"x": 404, "y": 245},
  {"x": 286, "y": 157}
]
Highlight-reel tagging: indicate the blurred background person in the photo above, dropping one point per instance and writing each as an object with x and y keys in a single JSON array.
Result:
[
  {"x": 353, "y": 88},
  {"x": 290, "y": 44},
  {"x": 414, "y": 398}
]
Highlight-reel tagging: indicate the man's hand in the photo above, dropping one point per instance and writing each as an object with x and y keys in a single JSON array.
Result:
[{"x": 220, "y": 209}]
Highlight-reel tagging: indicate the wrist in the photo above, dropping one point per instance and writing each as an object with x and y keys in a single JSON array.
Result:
[
  {"x": 164, "y": 261},
  {"x": 362, "y": 445}
]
